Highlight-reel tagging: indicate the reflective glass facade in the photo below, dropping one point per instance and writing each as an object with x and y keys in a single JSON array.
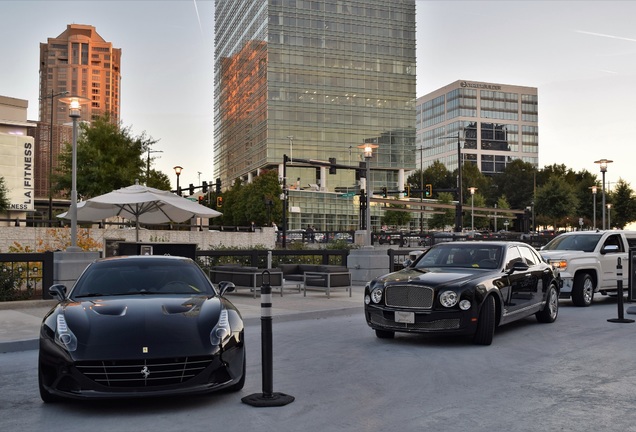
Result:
[
  {"x": 314, "y": 80},
  {"x": 497, "y": 124}
]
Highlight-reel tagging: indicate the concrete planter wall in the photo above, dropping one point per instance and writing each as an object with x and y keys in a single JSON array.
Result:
[{"x": 33, "y": 238}]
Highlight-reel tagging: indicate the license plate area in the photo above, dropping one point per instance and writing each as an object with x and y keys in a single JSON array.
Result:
[{"x": 405, "y": 317}]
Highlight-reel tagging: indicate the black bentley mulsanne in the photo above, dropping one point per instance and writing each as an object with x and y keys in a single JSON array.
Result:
[{"x": 465, "y": 288}]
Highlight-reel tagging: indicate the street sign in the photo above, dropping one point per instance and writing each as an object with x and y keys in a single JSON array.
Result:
[{"x": 347, "y": 195}]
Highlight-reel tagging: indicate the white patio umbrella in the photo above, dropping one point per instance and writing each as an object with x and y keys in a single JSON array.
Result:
[{"x": 142, "y": 204}]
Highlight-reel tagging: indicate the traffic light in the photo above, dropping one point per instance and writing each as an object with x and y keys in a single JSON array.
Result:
[
  {"x": 179, "y": 190},
  {"x": 407, "y": 192},
  {"x": 332, "y": 167},
  {"x": 218, "y": 185},
  {"x": 201, "y": 200},
  {"x": 204, "y": 187},
  {"x": 428, "y": 191},
  {"x": 219, "y": 202},
  {"x": 384, "y": 192},
  {"x": 191, "y": 189}
]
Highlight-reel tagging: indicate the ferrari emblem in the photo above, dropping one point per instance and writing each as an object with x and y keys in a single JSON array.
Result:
[
  {"x": 145, "y": 372},
  {"x": 144, "y": 350}
]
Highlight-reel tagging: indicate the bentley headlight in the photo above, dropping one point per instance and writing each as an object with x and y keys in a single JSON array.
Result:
[
  {"x": 448, "y": 298},
  {"x": 464, "y": 304},
  {"x": 221, "y": 330},
  {"x": 376, "y": 295},
  {"x": 64, "y": 337}
]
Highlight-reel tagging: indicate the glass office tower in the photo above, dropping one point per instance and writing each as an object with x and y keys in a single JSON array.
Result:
[
  {"x": 313, "y": 80},
  {"x": 497, "y": 124}
]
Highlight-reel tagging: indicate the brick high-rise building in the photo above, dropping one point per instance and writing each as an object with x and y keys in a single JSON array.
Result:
[{"x": 78, "y": 61}]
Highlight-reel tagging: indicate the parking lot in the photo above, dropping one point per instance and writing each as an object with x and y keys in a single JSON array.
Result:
[{"x": 576, "y": 374}]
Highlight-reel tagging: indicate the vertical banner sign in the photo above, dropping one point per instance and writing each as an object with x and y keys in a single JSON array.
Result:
[{"x": 17, "y": 163}]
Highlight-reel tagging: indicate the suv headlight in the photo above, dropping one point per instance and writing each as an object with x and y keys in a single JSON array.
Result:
[{"x": 559, "y": 264}]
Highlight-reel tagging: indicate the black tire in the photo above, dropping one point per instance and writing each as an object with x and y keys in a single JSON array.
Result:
[
  {"x": 550, "y": 311},
  {"x": 385, "y": 334},
  {"x": 486, "y": 323},
  {"x": 241, "y": 383},
  {"x": 583, "y": 290},
  {"x": 44, "y": 393}
]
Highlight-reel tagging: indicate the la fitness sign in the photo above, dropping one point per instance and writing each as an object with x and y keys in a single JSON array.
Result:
[{"x": 17, "y": 161}]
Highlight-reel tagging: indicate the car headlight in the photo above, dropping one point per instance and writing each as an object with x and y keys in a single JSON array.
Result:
[
  {"x": 464, "y": 304},
  {"x": 221, "y": 331},
  {"x": 448, "y": 298},
  {"x": 64, "y": 337},
  {"x": 376, "y": 295},
  {"x": 559, "y": 264}
]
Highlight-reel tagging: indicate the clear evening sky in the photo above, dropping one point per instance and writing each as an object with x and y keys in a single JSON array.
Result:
[{"x": 581, "y": 55}]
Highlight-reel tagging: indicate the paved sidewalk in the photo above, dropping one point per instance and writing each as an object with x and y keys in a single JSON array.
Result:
[{"x": 20, "y": 321}]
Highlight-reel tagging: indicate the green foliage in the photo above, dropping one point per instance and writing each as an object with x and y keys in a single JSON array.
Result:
[
  {"x": 11, "y": 282},
  {"x": 4, "y": 199},
  {"x": 244, "y": 204},
  {"x": 557, "y": 201},
  {"x": 443, "y": 218},
  {"x": 396, "y": 217},
  {"x": 108, "y": 158},
  {"x": 623, "y": 209}
]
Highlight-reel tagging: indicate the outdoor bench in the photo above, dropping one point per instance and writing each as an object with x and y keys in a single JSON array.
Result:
[
  {"x": 317, "y": 277},
  {"x": 247, "y": 277}
]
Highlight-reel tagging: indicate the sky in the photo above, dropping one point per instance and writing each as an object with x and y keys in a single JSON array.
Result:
[{"x": 581, "y": 56}]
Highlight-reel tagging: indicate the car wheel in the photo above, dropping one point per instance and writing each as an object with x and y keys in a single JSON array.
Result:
[
  {"x": 384, "y": 334},
  {"x": 486, "y": 324},
  {"x": 45, "y": 395},
  {"x": 241, "y": 383},
  {"x": 551, "y": 309},
  {"x": 583, "y": 290}
]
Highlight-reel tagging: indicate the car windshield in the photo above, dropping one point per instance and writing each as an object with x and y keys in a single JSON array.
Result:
[
  {"x": 585, "y": 243},
  {"x": 464, "y": 255},
  {"x": 163, "y": 277}
]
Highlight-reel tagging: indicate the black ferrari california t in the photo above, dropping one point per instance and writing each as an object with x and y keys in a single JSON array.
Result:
[
  {"x": 135, "y": 326},
  {"x": 465, "y": 288}
]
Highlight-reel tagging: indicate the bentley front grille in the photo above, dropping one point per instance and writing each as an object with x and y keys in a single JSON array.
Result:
[
  {"x": 409, "y": 296},
  {"x": 143, "y": 373},
  {"x": 441, "y": 324}
]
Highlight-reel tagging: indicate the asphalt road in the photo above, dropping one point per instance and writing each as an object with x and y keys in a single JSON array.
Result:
[{"x": 577, "y": 374}]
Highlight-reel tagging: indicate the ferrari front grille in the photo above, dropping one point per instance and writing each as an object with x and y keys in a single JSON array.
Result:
[
  {"x": 409, "y": 296},
  {"x": 143, "y": 372}
]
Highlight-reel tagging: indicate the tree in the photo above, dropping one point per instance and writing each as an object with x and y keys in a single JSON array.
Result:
[
  {"x": 256, "y": 202},
  {"x": 108, "y": 158},
  {"x": 516, "y": 183},
  {"x": 4, "y": 199},
  {"x": 623, "y": 205},
  {"x": 396, "y": 217},
  {"x": 158, "y": 180},
  {"x": 444, "y": 218},
  {"x": 557, "y": 201},
  {"x": 437, "y": 175}
]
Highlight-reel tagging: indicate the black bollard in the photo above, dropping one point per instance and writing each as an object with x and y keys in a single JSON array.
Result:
[
  {"x": 619, "y": 287},
  {"x": 267, "y": 398}
]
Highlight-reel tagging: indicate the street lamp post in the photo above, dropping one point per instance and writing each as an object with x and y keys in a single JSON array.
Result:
[
  {"x": 609, "y": 216},
  {"x": 472, "y": 190},
  {"x": 148, "y": 163},
  {"x": 52, "y": 96},
  {"x": 421, "y": 189},
  {"x": 460, "y": 193},
  {"x": 74, "y": 112},
  {"x": 368, "y": 154},
  {"x": 594, "y": 189},
  {"x": 603, "y": 164},
  {"x": 177, "y": 171}
]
